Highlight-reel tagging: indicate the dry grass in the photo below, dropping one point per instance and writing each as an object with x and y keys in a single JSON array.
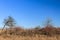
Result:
[
  {"x": 27, "y": 34},
  {"x": 37, "y": 37}
]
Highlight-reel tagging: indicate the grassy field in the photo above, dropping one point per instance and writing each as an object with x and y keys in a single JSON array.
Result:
[
  {"x": 47, "y": 33},
  {"x": 37, "y": 37}
]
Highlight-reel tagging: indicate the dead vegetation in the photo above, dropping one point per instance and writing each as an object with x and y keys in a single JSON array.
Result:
[{"x": 48, "y": 32}]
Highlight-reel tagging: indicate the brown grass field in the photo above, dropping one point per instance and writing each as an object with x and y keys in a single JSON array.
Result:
[
  {"x": 47, "y": 33},
  {"x": 37, "y": 37}
]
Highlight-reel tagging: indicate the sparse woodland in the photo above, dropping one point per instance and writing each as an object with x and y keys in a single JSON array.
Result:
[{"x": 49, "y": 32}]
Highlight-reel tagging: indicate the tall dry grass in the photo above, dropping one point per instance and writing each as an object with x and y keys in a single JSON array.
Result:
[
  {"x": 46, "y": 33},
  {"x": 36, "y": 37}
]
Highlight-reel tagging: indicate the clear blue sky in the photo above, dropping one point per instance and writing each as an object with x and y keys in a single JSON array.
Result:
[{"x": 30, "y": 13}]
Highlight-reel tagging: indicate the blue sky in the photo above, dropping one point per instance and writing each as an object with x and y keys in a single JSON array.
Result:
[{"x": 30, "y": 13}]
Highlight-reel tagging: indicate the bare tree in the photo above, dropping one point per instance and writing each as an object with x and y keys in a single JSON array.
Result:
[
  {"x": 9, "y": 22},
  {"x": 48, "y": 22}
]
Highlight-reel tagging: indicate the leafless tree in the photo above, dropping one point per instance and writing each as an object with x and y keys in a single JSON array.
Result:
[
  {"x": 48, "y": 22},
  {"x": 10, "y": 22}
]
